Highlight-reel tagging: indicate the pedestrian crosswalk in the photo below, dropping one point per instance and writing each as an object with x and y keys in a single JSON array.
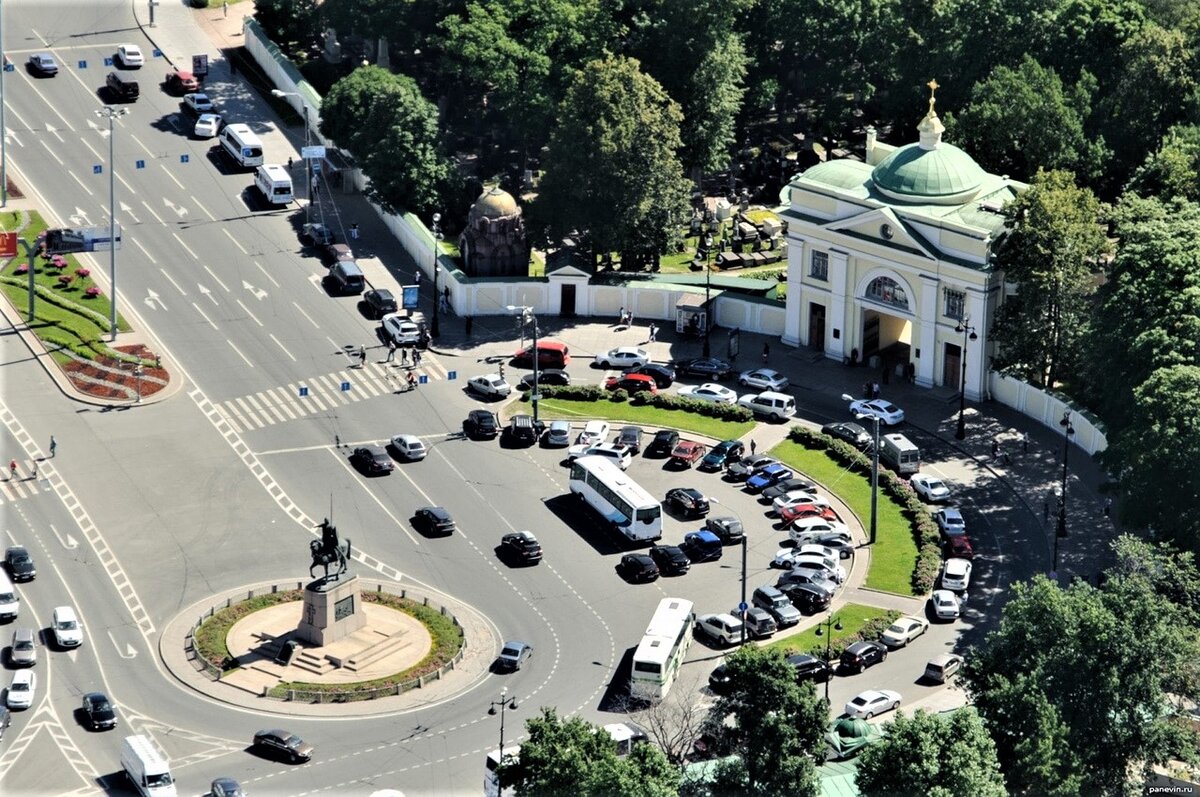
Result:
[
  {"x": 324, "y": 392},
  {"x": 24, "y": 482}
]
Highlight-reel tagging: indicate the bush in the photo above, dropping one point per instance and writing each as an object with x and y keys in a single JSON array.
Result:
[
  {"x": 573, "y": 392},
  {"x": 724, "y": 412},
  {"x": 618, "y": 395},
  {"x": 871, "y": 630},
  {"x": 199, "y": 3}
]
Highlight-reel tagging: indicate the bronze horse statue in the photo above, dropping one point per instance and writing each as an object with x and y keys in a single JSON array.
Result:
[{"x": 329, "y": 551}]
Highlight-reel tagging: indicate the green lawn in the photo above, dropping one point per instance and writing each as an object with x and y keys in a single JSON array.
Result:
[
  {"x": 645, "y": 416},
  {"x": 852, "y": 616},
  {"x": 894, "y": 555}
]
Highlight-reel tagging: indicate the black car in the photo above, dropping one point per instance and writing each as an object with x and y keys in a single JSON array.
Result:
[
  {"x": 688, "y": 501},
  {"x": 744, "y": 468},
  {"x": 808, "y": 598},
  {"x": 545, "y": 376},
  {"x": 862, "y": 655},
  {"x": 522, "y": 546},
  {"x": 809, "y": 668},
  {"x": 482, "y": 423},
  {"x": 662, "y": 375},
  {"x": 315, "y": 234},
  {"x": 709, "y": 368},
  {"x": 631, "y": 438},
  {"x": 786, "y": 486},
  {"x": 226, "y": 787},
  {"x": 722, "y": 454},
  {"x": 379, "y": 302},
  {"x": 20, "y": 564},
  {"x": 671, "y": 560},
  {"x": 663, "y": 444},
  {"x": 98, "y": 712},
  {"x": 433, "y": 520},
  {"x": 283, "y": 744},
  {"x": 849, "y": 432},
  {"x": 728, "y": 529},
  {"x": 817, "y": 578},
  {"x": 637, "y": 567},
  {"x": 372, "y": 459},
  {"x": 719, "y": 680}
]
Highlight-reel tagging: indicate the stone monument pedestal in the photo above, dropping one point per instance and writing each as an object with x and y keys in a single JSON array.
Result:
[{"x": 332, "y": 611}]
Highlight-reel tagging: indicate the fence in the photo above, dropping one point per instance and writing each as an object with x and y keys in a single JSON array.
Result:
[{"x": 1047, "y": 408}]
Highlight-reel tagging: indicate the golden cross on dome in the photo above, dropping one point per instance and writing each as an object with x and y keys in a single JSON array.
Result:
[{"x": 933, "y": 87}]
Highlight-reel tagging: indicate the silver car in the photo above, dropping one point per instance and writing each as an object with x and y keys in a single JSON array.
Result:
[
  {"x": 23, "y": 652},
  {"x": 559, "y": 434}
]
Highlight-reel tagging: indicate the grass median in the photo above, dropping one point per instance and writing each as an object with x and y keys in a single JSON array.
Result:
[
  {"x": 858, "y": 622},
  {"x": 640, "y": 415}
]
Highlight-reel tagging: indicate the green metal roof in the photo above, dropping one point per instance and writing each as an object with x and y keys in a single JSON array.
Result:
[
  {"x": 930, "y": 176},
  {"x": 843, "y": 173}
]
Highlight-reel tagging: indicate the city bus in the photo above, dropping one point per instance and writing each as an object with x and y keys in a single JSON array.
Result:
[
  {"x": 491, "y": 777},
  {"x": 617, "y": 498},
  {"x": 660, "y": 654}
]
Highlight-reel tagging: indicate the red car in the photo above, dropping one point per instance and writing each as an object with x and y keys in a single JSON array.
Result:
[
  {"x": 687, "y": 453},
  {"x": 959, "y": 547},
  {"x": 632, "y": 383},
  {"x": 182, "y": 82},
  {"x": 794, "y": 512}
]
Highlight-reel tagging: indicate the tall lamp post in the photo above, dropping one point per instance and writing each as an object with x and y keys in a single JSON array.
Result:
[
  {"x": 968, "y": 333},
  {"x": 111, "y": 114},
  {"x": 527, "y": 317},
  {"x": 874, "y": 467},
  {"x": 826, "y": 624},
  {"x": 435, "y": 330},
  {"x": 743, "y": 607},
  {"x": 1061, "y": 531},
  {"x": 708, "y": 251},
  {"x": 303, "y": 156},
  {"x": 505, "y": 703}
]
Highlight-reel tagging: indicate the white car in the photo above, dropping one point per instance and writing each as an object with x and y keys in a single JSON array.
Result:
[
  {"x": 951, "y": 522},
  {"x": 130, "y": 55},
  {"x": 401, "y": 329},
  {"x": 817, "y": 526},
  {"x": 903, "y": 631},
  {"x": 709, "y": 391},
  {"x": 956, "y": 575},
  {"x": 21, "y": 689},
  {"x": 763, "y": 379},
  {"x": 945, "y": 604},
  {"x": 787, "y": 557},
  {"x": 930, "y": 488},
  {"x": 67, "y": 632},
  {"x": 795, "y": 498},
  {"x": 409, "y": 446},
  {"x": 871, "y": 702},
  {"x": 594, "y": 432},
  {"x": 198, "y": 103},
  {"x": 724, "y": 629},
  {"x": 489, "y": 386},
  {"x": 827, "y": 564},
  {"x": 623, "y": 357},
  {"x": 207, "y": 126},
  {"x": 887, "y": 412},
  {"x": 839, "y": 541},
  {"x": 617, "y": 453}
]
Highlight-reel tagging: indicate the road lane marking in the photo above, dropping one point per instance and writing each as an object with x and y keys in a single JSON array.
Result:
[
  {"x": 218, "y": 279},
  {"x": 175, "y": 235},
  {"x": 205, "y": 316},
  {"x": 229, "y": 235},
  {"x": 235, "y": 348},
  {"x": 149, "y": 256},
  {"x": 253, "y": 317},
  {"x": 280, "y": 345},
  {"x": 203, "y": 208},
  {"x": 157, "y": 217},
  {"x": 171, "y": 280},
  {"x": 345, "y": 462},
  {"x": 306, "y": 315},
  {"x": 267, "y": 274}
]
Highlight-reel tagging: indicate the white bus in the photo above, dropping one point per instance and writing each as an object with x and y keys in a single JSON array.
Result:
[
  {"x": 491, "y": 778},
  {"x": 899, "y": 453},
  {"x": 618, "y": 498},
  {"x": 275, "y": 183},
  {"x": 660, "y": 654},
  {"x": 240, "y": 143}
]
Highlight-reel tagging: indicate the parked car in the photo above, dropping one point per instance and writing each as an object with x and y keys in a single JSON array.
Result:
[
  {"x": 808, "y": 598},
  {"x": 786, "y": 486},
  {"x": 719, "y": 680},
  {"x": 796, "y": 498},
  {"x": 98, "y": 712},
  {"x": 871, "y": 702},
  {"x": 774, "y": 601},
  {"x": 956, "y": 575},
  {"x": 945, "y": 604},
  {"x": 483, "y": 423},
  {"x": 316, "y": 234},
  {"x": 522, "y": 546},
  {"x": 809, "y": 668},
  {"x": 710, "y": 392},
  {"x": 759, "y": 622},
  {"x": 402, "y": 330},
  {"x": 744, "y": 468},
  {"x": 380, "y": 302},
  {"x": 638, "y": 568},
  {"x": 671, "y": 560},
  {"x": 23, "y": 650},
  {"x": 21, "y": 689},
  {"x": 687, "y": 453},
  {"x": 942, "y": 666},
  {"x": 728, "y": 529},
  {"x": 849, "y": 432},
  {"x": 559, "y": 434},
  {"x": 768, "y": 476},
  {"x": 434, "y": 520},
  {"x": 19, "y": 563},
  {"x": 702, "y": 546},
  {"x": 208, "y": 125},
  {"x": 372, "y": 459},
  {"x": 722, "y": 454},
  {"x": 631, "y": 383},
  {"x": 930, "y": 488},
  {"x": 887, "y": 412},
  {"x": 180, "y": 82},
  {"x": 951, "y": 522},
  {"x": 338, "y": 253},
  {"x": 619, "y": 455},
  {"x": 594, "y": 433},
  {"x": 903, "y": 631},
  {"x": 724, "y": 629},
  {"x": 43, "y": 64},
  {"x": 545, "y": 376},
  {"x": 819, "y": 564},
  {"x": 837, "y": 540},
  {"x": 198, "y": 103},
  {"x": 631, "y": 438},
  {"x": 704, "y": 367},
  {"x": 861, "y": 655},
  {"x": 225, "y": 787},
  {"x": 130, "y": 56},
  {"x": 283, "y": 744},
  {"x": 662, "y": 375},
  {"x": 513, "y": 655},
  {"x": 790, "y": 514},
  {"x": 489, "y": 386},
  {"x": 663, "y": 443},
  {"x": 688, "y": 501},
  {"x": 959, "y": 546},
  {"x": 623, "y": 357},
  {"x": 763, "y": 379}
]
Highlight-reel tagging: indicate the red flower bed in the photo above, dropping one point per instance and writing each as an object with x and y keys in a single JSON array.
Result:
[{"x": 122, "y": 376}]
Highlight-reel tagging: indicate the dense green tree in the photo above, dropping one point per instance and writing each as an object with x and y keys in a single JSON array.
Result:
[
  {"x": 612, "y": 170},
  {"x": 1073, "y": 685},
  {"x": 292, "y": 24},
  {"x": 408, "y": 25},
  {"x": 927, "y": 755},
  {"x": 575, "y": 757},
  {"x": 1174, "y": 169},
  {"x": 1052, "y": 240},
  {"x": 391, "y": 129},
  {"x": 772, "y": 724},
  {"x": 1005, "y": 124},
  {"x": 1148, "y": 310},
  {"x": 1170, "y": 572}
]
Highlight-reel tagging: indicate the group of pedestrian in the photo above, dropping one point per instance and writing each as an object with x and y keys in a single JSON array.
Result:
[
  {"x": 870, "y": 389},
  {"x": 653, "y": 334},
  {"x": 624, "y": 318}
]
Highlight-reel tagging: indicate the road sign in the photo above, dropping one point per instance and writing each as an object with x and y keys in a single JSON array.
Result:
[
  {"x": 8, "y": 245},
  {"x": 345, "y": 387},
  {"x": 743, "y": 606},
  {"x": 139, "y": 164},
  {"x": 184, "y": 158},
  {"x": 97, "y": 169},
  {"x": 423, "y": 379},
  {"x": 452, "y": 375},
  {"x": 314, "y": 151},
  {"x": 536, "y": 397},
  {"x": 200, "y": 65},
  {"x": 303, "y": 392}
]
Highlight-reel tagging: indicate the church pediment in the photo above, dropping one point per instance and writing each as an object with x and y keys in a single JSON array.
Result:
[{"x": 883, "y": 226}]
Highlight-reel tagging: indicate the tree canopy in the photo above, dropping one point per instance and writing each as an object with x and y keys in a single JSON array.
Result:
[{"x": 1173, "y": 170}]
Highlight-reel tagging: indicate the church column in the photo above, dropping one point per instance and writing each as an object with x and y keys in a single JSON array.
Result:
[
  {"x": 835, "y": 314},
  {"x": 976, "y": 310},
  {"x": 926, "y": 336},
  {"x": 794, "y": 303}
]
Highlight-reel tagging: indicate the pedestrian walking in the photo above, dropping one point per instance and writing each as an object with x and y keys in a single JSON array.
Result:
[
  {"x": 290, "y": 163},
  {"x": 362, "y": 356},
  {"x": 1024, "y": 442},
  {"x": 404, "y": 356},
  {"x": 316, "y": 184},
  {"x": 354, "y": 231},
  {"x": 621, "y": 316},
  {"x": 53, "y": 445},
  {"x": 867, "y": 390},
  {"x": 875, "y": 391},
  {"x": 391, "y": 351},
  {"x": 417, "y": 278},
  {"x": 629, "y": 319},
  {"x": 766, "y": 352},
  {"x": 225, "y": 8},
  {"x": 653, "y": 334},
  {"x": 1108, "y": 507},
  {"x": 995, "y": 448},
  {"x": 467, "y": 324},
  {"x": 12, "y": 469},
  {"x": 753, "y": 448},
  {"x": 337, "y": 441},
  {"x": 417, "y": 357}
]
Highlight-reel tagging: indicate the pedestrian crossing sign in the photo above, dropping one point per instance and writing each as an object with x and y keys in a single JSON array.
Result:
[
  {"x": 303, "y": 391},
  {"x": 345, "y": 386},
  {"x": 423, "y": 379}
]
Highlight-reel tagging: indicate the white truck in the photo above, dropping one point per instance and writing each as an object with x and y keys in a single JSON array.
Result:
[
  {"x": 899, "y": 453},
  {"x": 147, "y": 769}
]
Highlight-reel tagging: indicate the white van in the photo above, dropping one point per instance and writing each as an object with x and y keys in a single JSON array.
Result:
[
  {"x": 240, "y": 143},
  {"x": 776, "y": 406},
  {"x": 899, "y": 453},
  {"x": 10, "y": 604},
  {"x": 275, "y": 183},
  {"x": 147, "y": 769}
]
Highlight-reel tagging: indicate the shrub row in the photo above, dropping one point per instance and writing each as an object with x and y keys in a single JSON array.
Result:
[
  {"x": 924, "y": 530},
  {"x": 664, "y": 401},
  {"x": 871, "y": 631}
]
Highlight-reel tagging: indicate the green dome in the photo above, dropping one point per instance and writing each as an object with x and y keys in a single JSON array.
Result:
[
  {"x": 852, "y": 728},
  {"x": 941, "y": 175}
]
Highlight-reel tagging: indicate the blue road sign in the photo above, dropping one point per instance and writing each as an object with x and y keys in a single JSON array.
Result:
[
  {"x": 157, "y": 53},
  {"x": 108, "y": 61},
  {"x": 140, "y": 164},
  {"x": 303, "y": 391},
  {"x": 9, "y": 66},
  {"x": 423, "y": 379},
  {"x": 184, "y": 158},
  {"x": 743, "y": 606},
  {"x": 345, "y": 387},
  {"x": 82, "y": 65},
  {"x": 452, "y": 374},
  {"x": 97, "y": 169}
]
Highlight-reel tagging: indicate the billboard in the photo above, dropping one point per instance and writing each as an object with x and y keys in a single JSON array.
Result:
[
  {"x": 412, "y": 296},
  {"x": 80, "y": 239}
]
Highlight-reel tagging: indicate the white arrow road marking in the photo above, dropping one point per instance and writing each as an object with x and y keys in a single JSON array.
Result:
[
  {"x": 9, "y": 135},
  {"x": 69, "y": 542},
  {"x": 315, "y": 279},
  {"x": 152, "y": 297},
  {"x": 180, "y": 210},
  {"x": 129, "y": 653},
  {"x": 54, "y": 132},
  {"x": 101, "y": 129},
  {"x": 258, "y": 292},
  {"x": 80, "y": 213},
  {"x": 206, "y": 293},
  {"x": 128, "y": 211}
]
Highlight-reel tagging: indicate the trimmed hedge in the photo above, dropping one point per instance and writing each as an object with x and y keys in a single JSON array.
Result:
[
  {"x": 924, "y": 529},
  {"x": 871, "y": 631},
  {"x": 665, "y": 401}
]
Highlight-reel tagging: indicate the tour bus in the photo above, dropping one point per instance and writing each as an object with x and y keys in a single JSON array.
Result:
[
  {"x": 240, "y": 143},
  {"x": 275, "y": 183},
  {"x": 617, "y": 498},
  {"x": 899, "y": 453},
  {"x": 660, "y": 654}
]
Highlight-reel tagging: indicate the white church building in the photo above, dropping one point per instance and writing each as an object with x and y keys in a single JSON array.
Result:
[{"x": 890, "y": 261}]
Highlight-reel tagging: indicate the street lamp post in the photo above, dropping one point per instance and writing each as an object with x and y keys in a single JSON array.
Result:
[
  {"x": 111, "y": 114},
  {"x": 708, "y": 251},
  {"x": 505, "y": 703},
  {"x": 303, "y": 156},
  {"x": 527, "y": 317},
  {"x": 874, "y": 468},
  {"x": 137, "y": 371},
  {"x": 968, "y": 333},
  {"x": 435, "y": 330},
  {"x": 741, "y": 611},
  {"x": 826, "y": 624},
  {"x": 1061, "y": 531}
]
